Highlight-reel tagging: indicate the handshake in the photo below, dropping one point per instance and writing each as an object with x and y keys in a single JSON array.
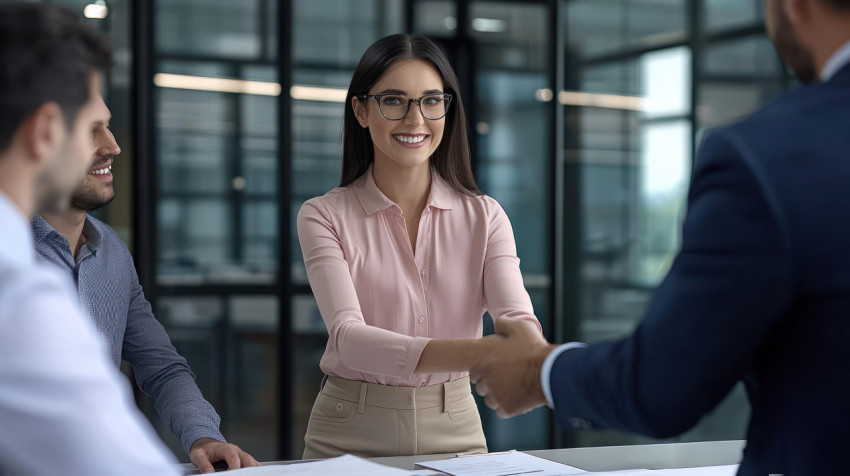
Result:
[{"x": 508, "y": 376}]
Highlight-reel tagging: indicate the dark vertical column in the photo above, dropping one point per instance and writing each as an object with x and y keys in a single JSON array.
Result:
[
  {"x": 284, "y": 280},
  {"x": 557, "y": 47},
  {"x": 569, "y": 318},
  {"x": 144, "y": 146}
]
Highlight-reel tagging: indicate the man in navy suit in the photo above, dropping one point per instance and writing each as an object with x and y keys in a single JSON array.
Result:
[{"x": 759, "y": 292}]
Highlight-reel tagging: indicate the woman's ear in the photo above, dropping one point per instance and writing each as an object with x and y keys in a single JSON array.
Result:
[{"x": 360, "y": 111}]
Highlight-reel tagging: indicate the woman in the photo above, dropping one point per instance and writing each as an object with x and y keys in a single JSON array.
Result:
[{"x": 404, "y": 258}]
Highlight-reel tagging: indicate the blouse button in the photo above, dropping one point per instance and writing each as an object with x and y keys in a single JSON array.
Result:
[{"x": 421, "y": 319}]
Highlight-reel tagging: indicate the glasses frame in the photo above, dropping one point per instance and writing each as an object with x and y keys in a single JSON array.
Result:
[{"x": 377, "y": 97}]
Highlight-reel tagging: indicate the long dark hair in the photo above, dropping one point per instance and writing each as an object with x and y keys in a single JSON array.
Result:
[{"x": 451, "y": 159}]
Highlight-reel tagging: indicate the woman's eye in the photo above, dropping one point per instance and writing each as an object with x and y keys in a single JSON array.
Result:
[
  {"x": 392, "y": 100},
  {"x": 433, "y": 100}
]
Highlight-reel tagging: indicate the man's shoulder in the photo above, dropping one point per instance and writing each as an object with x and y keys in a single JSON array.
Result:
[
  {"x": 792, "y": 125},
  {"x": 795, "y": 113},
  {"x": 30, "y": 284}
]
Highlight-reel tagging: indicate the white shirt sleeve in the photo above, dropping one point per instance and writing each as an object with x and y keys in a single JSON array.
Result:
[
  {"x": 546, "y": 369},
  {"x": 65, "y": 408}
]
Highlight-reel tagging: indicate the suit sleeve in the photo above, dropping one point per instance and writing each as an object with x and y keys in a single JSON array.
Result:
[
  {"x": 164, "y": 375},
  {"x": 730, "y": 283}
]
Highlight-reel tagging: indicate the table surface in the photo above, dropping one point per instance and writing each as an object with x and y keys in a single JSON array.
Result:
[{"x": 608, "y": 458}]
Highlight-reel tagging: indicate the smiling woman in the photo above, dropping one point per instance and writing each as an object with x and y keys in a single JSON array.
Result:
[{"x": 404, "y": 258}]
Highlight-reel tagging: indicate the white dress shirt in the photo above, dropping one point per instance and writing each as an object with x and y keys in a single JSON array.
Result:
[
  {"x": 836, "y": 63},
  {"x": 64, "y": 408}
]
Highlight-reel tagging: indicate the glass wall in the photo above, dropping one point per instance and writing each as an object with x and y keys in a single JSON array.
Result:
[{"x": 214, "y": 184}]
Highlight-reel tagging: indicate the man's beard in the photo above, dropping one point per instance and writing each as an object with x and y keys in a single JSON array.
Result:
[
  {"x": 792, "y": 52},
  {"x": 87, "y": 199}
]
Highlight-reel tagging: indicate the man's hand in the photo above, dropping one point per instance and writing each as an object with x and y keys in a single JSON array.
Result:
[
  {"x": 206, "y": 451},
  {"x": 509, "y": 377}
]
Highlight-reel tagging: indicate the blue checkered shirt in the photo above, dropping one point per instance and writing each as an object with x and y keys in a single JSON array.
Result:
[{"x": 109, "y": 290}]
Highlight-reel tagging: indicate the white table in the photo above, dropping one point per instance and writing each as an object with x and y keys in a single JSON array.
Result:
[
  {"x": 606, "y": 458},
  {"x": 610, "y": 458}
]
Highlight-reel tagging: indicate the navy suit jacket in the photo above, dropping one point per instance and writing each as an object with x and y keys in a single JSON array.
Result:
[{"x": 759, "y": 293}]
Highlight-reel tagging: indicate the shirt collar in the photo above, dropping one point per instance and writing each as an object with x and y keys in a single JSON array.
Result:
[
  {"x": 41, "y": 230},
  {"x": 16, "y": 243},
  {"x": 836, "y": 62},
  {"x": 373, "y": 200}
]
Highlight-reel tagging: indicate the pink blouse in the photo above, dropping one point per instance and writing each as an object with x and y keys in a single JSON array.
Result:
[{"x": 381, "y": 302}]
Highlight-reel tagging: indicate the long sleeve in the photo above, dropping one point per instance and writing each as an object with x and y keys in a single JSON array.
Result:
[
  {"x": 361, "y": 347},
  {"x": 728, "y": 287},
  {"x": 164, "y": 375},
  {"x": 504, "y": 292},
  {"x": 65, "y": 408}
]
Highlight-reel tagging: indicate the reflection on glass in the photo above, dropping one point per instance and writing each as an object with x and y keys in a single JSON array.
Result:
[
  {"x": 665, "y": 175},
  {"x": 665, "y": 79},
  {"x": 740, "y": 75},
  {"x": 728, "y": 14},
  {"x": 596, "y": 27},
  {"x": 436, "y": 18},
  {"x": 217, "y": 172},
  {"x": 252, "y": 393},
  {"x": 209, "y": 27},
  {"x": 337, "y": 32}
]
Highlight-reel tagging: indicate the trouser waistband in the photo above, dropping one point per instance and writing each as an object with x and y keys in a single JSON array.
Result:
[{"x": 399, "y": 398}]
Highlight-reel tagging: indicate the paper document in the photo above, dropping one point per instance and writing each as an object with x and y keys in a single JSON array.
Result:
[
  {"x": 730, "y": 470},
  {"x": 346, "y": 465},
  {"x": 501, "y": 464}
]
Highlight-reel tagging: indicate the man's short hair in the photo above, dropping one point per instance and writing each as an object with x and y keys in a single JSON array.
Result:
[
  {"x": 839, "y": 4},
  {"x": 46, "y": 55}
]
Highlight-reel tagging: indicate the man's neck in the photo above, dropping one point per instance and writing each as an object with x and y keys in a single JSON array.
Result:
[{"x": 70, "y": 225}]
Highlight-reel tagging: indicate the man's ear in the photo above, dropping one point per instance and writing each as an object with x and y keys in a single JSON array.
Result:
[
  {"x": 798, "y": 12},
  {"x": 44, "y": 132},
  {"x": 360, "y": 111}
]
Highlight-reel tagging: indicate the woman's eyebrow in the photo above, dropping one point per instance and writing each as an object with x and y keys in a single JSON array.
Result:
[{"x": 393, "y": 91}]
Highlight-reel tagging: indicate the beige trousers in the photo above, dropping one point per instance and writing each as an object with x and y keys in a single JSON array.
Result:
[{"x": 370, "y": 420}]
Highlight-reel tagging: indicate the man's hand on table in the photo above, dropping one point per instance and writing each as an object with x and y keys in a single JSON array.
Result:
[
  {"x": 509, "y": 376},
  {"x": 206, "y": 451}
]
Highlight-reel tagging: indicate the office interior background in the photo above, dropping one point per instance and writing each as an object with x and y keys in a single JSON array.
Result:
[{"x": 584, "y": 116}]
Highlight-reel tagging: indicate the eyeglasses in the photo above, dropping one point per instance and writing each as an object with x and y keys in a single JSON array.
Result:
[{"x": 395, "y": 107}]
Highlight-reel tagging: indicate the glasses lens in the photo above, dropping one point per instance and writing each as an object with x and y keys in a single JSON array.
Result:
[
  {"x": 434, "y": 106},
  {"x": 393, "y": 107}
]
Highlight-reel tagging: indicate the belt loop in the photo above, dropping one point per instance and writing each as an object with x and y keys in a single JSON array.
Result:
[
  {"x": 324, "y": 381},
  {"x": 361, "y": 405},
  {"x": 445, "y": 397}
]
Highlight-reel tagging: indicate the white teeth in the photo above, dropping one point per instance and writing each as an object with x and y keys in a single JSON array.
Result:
[
  {"x": 101, "y": 171},
  {"x": 410, "y": 139}
]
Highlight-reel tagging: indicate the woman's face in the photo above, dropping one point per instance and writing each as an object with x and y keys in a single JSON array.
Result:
[{"x": 411, "y": 141}]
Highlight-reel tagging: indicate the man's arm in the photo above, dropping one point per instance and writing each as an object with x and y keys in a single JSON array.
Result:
[
  {"x": 65, "y": 409},
  {"x": 728, "y": 286},
  {"x": 164, "y": 375}
]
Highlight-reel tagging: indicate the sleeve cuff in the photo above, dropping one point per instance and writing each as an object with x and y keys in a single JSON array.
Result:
[
  {"x": 546, "y": 369},
  {"x": 198, "y": 433},
  {"x": 414, "y": 355}
]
